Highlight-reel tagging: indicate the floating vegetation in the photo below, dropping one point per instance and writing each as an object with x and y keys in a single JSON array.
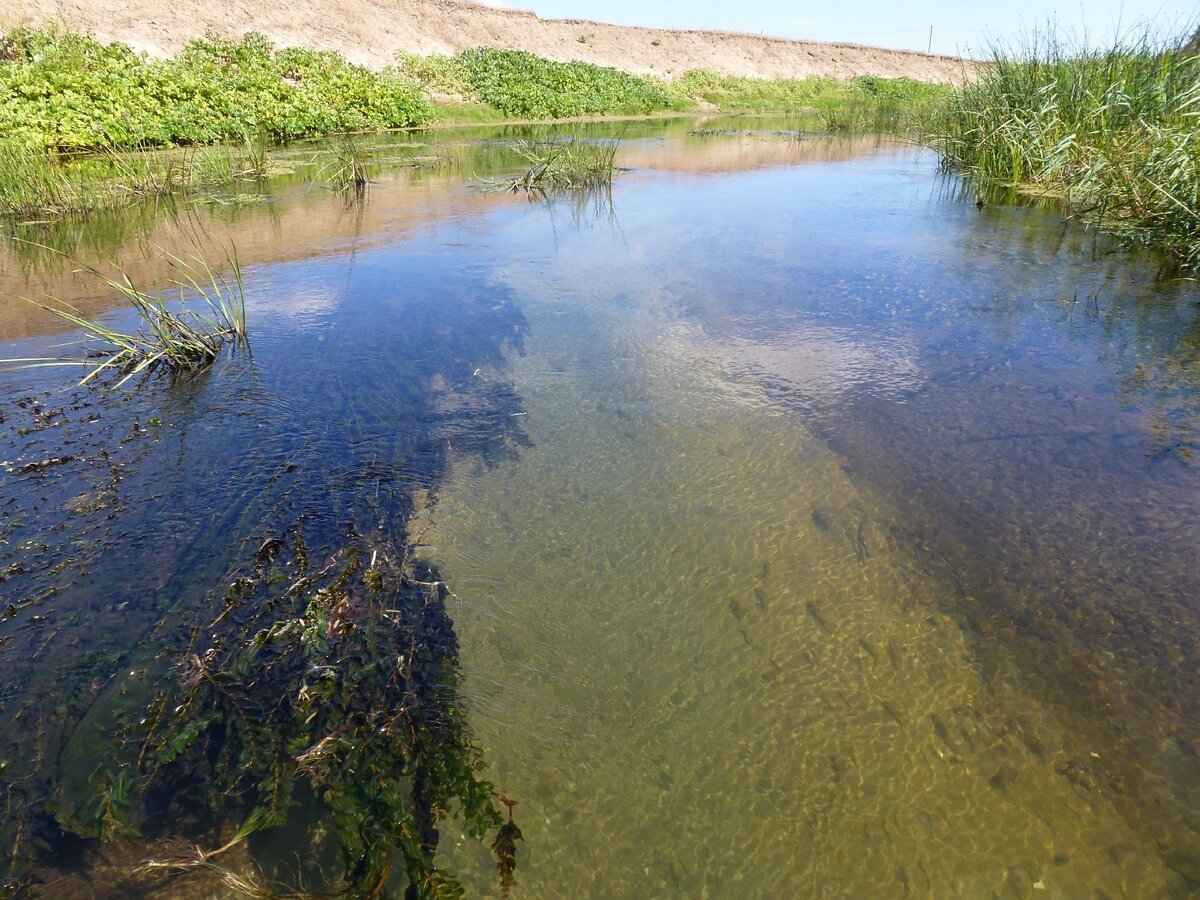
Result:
[
  {"x": 573, "y": 165},
  {"x": 179, "y": 339}
]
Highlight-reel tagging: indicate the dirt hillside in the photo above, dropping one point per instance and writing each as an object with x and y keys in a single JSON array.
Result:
[{"x": 371, "y": 31}]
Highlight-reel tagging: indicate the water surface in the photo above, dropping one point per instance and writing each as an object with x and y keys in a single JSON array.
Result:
[{"x": 811, "y": 532}]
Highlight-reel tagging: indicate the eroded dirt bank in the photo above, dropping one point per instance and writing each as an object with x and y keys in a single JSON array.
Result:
[{"x": 372, "y": 31}]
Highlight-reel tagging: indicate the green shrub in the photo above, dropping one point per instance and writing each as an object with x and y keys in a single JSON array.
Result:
[
  {"x": 436, "y": 74},
  {"x": 524, "y": 85}
]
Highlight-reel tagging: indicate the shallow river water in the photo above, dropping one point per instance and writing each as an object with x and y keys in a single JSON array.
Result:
[{"x": 831, "y": 536}]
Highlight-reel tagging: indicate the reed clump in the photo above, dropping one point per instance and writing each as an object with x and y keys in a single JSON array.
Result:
[
  {"x": 1113, "y": 132},
  {"x": 180, "y": 337}
]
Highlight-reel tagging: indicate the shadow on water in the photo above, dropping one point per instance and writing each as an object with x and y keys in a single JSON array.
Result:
[{"x": 216, "y": 622}]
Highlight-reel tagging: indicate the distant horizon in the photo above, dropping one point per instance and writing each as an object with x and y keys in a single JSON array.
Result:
[{"x": 874, "y": 23}]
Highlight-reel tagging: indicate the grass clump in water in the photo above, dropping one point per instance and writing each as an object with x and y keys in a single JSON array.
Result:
[
  {"x": 33, "y": 184},
  {"x": 346, "y": 171},
  {"x": 180, "y": 340},
  {"x": 573, "y": 165},
  {"x": 1114, "y": 132},
  {"x": 40, "y": 184}
]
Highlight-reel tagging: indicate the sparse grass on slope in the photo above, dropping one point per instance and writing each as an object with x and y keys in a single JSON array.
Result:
[{"x": 867, "y": 102}]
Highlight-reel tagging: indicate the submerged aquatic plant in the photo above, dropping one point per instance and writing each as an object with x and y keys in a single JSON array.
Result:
[
  {"x": 177, "y": 338},
  {"x": 326, "y": 698},
  {"x": 559, "y": 166}
]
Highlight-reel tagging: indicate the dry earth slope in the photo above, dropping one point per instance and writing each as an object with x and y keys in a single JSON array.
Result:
[{"x": 372, "y": 31}]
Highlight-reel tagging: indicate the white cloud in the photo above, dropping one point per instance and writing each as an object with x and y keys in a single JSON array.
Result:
[{"x": 801, "y": 23}]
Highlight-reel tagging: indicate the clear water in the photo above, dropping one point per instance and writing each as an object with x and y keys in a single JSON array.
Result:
[{"x": 839, "y": 539}]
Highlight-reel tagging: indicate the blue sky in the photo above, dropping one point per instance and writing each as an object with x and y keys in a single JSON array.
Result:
[{"x": 962, "y": 27}]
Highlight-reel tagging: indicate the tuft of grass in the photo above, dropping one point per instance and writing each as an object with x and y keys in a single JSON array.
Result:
[
  {"x": 177, "y": 338},
  {"x": 346, "y": 170},
  {"x": 1113, "y": 131},
  {"x": 573, "y": 165},
  {"x": 32, "y": 184}
]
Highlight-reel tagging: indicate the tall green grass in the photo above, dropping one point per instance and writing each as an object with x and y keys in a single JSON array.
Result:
[
  {"x": 40, "y": 184},
  {"x": 1114, "y": 132}
]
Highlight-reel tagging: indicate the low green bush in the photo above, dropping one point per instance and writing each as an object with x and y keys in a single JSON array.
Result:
[
  {"x": 520, "y": 84},
  {"x": 436, "y": 73},
  {"x": 67, "y": 91}
]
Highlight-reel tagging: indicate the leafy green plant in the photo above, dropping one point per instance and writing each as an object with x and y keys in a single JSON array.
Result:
[
  {"x": 434, "y": 74},
  {"x": 521, "y": 84},
  {"x": 65, "y": 90},
  {"x": 175, "y": 338}
]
